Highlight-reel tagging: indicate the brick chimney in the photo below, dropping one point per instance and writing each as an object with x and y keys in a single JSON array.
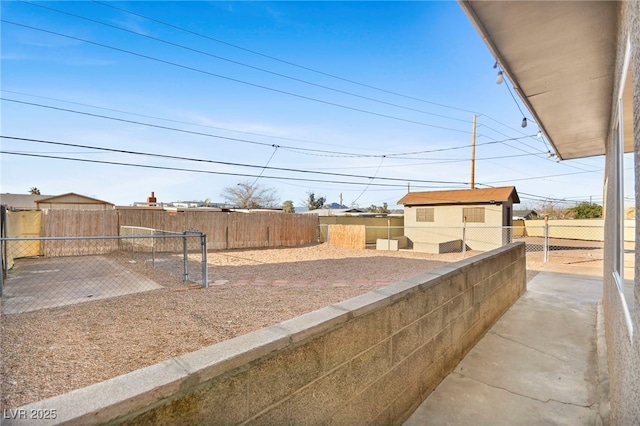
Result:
[{"x": 152, "y": 200}]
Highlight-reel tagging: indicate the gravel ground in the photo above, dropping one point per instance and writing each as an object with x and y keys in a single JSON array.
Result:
[{"x": 52, "y": 351}]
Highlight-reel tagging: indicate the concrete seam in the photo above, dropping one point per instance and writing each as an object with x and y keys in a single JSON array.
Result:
[
  {"x": 527, "y": 346},
  {"x": 519, "y": 394}
]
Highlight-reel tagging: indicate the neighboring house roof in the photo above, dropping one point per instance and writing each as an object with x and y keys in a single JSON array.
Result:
[
  {"x": 71, "y": 198},
  {"x": 29, "y": 201},
  {"x": 462, "y": 196},
  {"x": 525, "y": 214},
  {"x": 334, "y": 212},
  {"x": 22, "y": 201}
]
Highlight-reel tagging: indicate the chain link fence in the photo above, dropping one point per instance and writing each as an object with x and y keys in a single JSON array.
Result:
[
  {"x": 563, "y": 244},
  {"x": 45, "y": 272}
]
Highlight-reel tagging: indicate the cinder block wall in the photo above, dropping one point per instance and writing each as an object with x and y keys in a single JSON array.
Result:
[{"x": 370, "y": 359}]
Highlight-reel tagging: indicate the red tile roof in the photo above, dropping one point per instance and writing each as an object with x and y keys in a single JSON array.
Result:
[{"x": 462, "y": 196}]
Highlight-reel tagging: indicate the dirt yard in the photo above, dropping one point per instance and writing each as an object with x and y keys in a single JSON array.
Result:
[{"x": 52, "y": 351}]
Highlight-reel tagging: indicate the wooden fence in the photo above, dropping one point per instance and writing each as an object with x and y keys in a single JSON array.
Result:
[
  {"x": 348, "y": 236},
  {"x": 230, "y": 230},
  {"x": 79, "y": 223},
  {"x": 224, "y": 230}
]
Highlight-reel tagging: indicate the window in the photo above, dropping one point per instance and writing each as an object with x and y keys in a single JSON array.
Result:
[
  {"x": 425, "y": 215},
  {"x": 622, "y": 127},
  {"x": 473, "y": 214}
]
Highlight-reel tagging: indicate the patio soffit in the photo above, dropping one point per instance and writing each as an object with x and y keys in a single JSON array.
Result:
[{"x": 560, "y": 57}]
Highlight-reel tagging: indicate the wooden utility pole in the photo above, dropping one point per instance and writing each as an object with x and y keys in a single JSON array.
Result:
[{"x": 473, "y": 153}]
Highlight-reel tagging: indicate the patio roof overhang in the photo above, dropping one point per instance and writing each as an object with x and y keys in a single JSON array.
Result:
[{"x": 560, "y": 57}]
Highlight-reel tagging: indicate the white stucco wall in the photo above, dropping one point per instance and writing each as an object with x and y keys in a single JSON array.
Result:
[{"x": 448, "y": 226}]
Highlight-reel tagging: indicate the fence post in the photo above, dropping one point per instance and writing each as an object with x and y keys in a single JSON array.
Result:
[
  {"x": 388, "y": 234},
  {"x": 132, "y": 244},
  {"x": 464, "y": 237},
  {"x": 185, "y": 257},
  {"x": 4, "y": 260},
  {"x": 545, "y": 247},
  {"x": 153, "y": 250},
  {"x": 205, "y": 278}
]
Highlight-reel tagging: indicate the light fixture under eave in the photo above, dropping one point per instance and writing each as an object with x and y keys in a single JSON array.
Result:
[
  {"x": 524, "y": 122},
  {"x": 539, "y": 134},
  {"x": 499, "y": 78},
  {"x": 549, "y": 154}
]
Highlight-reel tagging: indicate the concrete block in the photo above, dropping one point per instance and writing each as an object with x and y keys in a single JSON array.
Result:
[
  {"x": 459, "y": 282},
  {"x": 432, "y": 323},
  {"x": 443, "y": 340},
  {"x": 408, "y": 310},
  {"x": 360, "y": 409},
  {"x": 365, "y": 303},
  {"x": 274, "y": 416},
  {"x": 355, "y": 337},
  {"x": 217, "y": 402},
  {"x": 370, "y": 365},
  {"x": 313, "y": 324},
  {"x": 438, "y": 295},
  {"x": 388, "y": 245},
  {"x": 312, "y": 404},
  {"x": 115, "y": 398},
  {"x": 406, "y": 341},
  {"x": 479, "y": 292},
  {"x": 280, "y": 376},
  {"x": 214, "y": 360},
  {"x": 456, "y": 306},
  {"x": 383, "y": 419},
  {"x": 460, "y": 325},
  {"x": 407, "y": 402},
  {"x": 451, "y": 246},
  {"x": 423, "y": 357},
  {"x": 426, "y": 279},
  {"x": 451, "y": 358},
  {"x": 431, "y": 377},
  {"x": 399, "y": 290}
]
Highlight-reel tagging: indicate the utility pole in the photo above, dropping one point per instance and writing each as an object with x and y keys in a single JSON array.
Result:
[
  {"x": 341, "y": 200},
  {"x": 473, "y": 153}
]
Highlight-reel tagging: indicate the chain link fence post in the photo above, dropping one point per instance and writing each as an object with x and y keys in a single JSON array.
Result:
[
  {"x": 185, "y": 258},
  {"x": 545, "y": 244},
  {"x": 464, "y": 238},
  {"x": 205, "y": 278}
]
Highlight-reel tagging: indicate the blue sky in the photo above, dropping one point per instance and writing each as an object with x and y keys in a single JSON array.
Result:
[{"x": 351, "y": 98}]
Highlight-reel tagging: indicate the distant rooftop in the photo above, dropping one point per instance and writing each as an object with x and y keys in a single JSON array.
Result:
[{"x": 462, "y": 196}]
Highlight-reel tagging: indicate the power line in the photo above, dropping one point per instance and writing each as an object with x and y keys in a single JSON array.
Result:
[
  {"x": 344, "y": 92},
  {"x": 167, "y": 119},
  {"x": 307, "y": 151},
  {"x": 175, "y": 64},
  {"x": 368, "y": 184},
  {"x": 371, "y": 181},
  {"x": 225, "y": 163},
  {"x": 282, "y": 60},
  {"x": 292, "y": 149},
  {"x": 146, "y": 166},
  {"x": 275, "y": 149}
]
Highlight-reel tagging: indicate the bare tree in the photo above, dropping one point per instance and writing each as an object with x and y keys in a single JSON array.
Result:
[{"x": 248, "y": 196}]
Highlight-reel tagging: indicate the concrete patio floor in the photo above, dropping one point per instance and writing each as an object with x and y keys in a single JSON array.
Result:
[{"x": 543, "y": 362}]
